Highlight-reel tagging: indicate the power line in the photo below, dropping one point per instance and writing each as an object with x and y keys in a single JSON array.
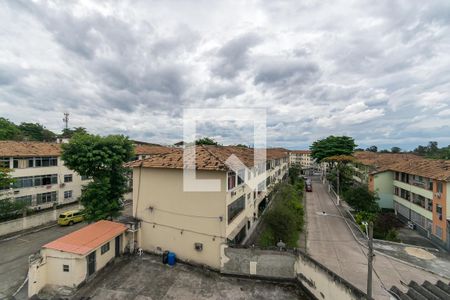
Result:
[{"x": 183, "y": 229}]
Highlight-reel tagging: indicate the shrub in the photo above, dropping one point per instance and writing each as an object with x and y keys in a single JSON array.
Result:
[{"x": 392, "y": 235}]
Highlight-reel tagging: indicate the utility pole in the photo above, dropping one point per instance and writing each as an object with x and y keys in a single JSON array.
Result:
[
  {"x": 66, "y": 119},
  {"x": 369, "y": 262}
]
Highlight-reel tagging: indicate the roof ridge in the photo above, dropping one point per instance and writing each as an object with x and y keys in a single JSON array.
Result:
[{"x": 215, "y": 156}]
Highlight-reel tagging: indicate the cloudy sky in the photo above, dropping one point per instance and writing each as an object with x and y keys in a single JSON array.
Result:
[{"x": 375, "y": 70}]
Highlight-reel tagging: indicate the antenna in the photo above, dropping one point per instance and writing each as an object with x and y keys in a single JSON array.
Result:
[{"x": 66, "y": 119}]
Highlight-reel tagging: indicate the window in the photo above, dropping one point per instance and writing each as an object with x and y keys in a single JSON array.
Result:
[
  {"x": 105, "y": 248},
  {"x": 68, "y": 178},
  {"x": 24, "y": 199},
  {"x": 439, "y": 211},
  {"x": 84, "y": 177},
  {"x": 46, "y": 197},
  {"x": 67, "y": 194},
  {"x": 430, "y": 185},
  {"x": 45, "y": 161},
  {"x": 235, "y": 208},
  {"x": 439, "y": 187},
  {"x": 30, "y": 162},
  {"x": 241, "y": 176},
  {"x": 4, "y": 162},
  {"x": 23, "y": 182},
  {"x": 65, "y": 268},
  {"x": 45, "y": 179},
  {"x": 231, "y": 180}
]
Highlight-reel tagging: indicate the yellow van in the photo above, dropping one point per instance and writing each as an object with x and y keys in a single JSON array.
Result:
[{"x": 70, "y": 217}]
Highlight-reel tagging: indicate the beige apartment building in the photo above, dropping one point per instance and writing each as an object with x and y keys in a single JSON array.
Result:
[
  {"x": 41, "y": 179},
  {"x": 195, "y": 224}
]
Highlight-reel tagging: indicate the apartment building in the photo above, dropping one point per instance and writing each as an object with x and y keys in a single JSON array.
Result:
[
  {"x": 420, "y": 195},
  {"x": 41, "y": 179},
  {"x": 194, "y": 224},
  {"x": 302, "y": 158},
  {"x": 415, "y": 187}
]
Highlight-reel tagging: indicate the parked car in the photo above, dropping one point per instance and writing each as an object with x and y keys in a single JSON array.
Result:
[
  {"x": 309, "y": 188},
  {"x": 70, "y": 217}
]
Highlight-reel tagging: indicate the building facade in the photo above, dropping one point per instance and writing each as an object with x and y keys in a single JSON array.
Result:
[
  {"x": 41, "y": 179},
  {"x": 415, "y": 188},
  {"x": 195, "y": 223},
  {"x": 76, "y": 257}
]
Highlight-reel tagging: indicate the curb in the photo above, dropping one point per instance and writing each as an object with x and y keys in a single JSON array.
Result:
[{"x": 27, "y": 232}]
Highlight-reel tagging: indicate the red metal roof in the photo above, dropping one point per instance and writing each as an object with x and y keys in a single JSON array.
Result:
[{"x": 88, "y": 238}]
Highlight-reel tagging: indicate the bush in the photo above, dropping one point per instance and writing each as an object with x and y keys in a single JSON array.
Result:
[
  {"x": 392, "y": 235},
  {"x": 285, "y": 220},
  {"x": 361, "y": 199}
]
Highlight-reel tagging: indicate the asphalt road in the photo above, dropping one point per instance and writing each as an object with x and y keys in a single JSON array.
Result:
[
  {"x": 331, "y": 242},
  {"x": 14, "y": 254}
]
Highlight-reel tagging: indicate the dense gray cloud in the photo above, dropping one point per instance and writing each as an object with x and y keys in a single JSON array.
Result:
[{"x": 375, "y": 70}]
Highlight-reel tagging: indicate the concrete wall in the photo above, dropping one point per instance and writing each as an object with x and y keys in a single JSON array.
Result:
[
  {"x": 48, "y": 271},
  {"x": 256, "y": 262},
  {"x": 175, "y": 220},
  {"x": 323, "y": 283},
  {"x": 34, "y": 220},
  {"x": 54, "y": 265},
  {"x": 288, "y": 265}
]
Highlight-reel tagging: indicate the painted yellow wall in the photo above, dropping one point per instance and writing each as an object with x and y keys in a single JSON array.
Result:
[
  {"x": 54, "y": 263},
  {"x": 180, "y": 218}
]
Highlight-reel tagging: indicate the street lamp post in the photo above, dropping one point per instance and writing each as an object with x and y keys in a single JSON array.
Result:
[{"x": 370, "y": 261}]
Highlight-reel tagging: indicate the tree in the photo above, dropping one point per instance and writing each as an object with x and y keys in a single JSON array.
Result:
[
  {"x": 9, "y": 208},
  {"x": 396, "y": 150},
  {"x": 294, "y": 173},
  {"x": 102, "y": 159},
  {"x": 68, "y": 133},
  {"x": 206, "y": 141},
  {"x": 36, "y": 132},
  {"x": 372, "y": 149},
  {"x": 332, "y": 146},
  {"x": 8, "y": 130},
  {"x": 361, "y": 199}
]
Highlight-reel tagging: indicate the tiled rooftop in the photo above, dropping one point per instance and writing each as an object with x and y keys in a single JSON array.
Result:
[
  {"x": 87, "y": 238},
  {"x": 28, "y": 149},
  {"x": 407, "y": 163},
  {"x": 207, "y": 158},
  {"x": 152, "y": 150}
]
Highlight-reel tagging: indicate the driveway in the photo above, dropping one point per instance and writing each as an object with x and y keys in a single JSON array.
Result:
[
  {"x": 146, "y": 278},
  {"x": 330, "y": 241}
]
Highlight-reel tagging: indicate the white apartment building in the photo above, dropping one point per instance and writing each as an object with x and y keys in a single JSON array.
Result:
[
  {"x": 194, "y": 224},
  {"x": 302, "y": 158},
  {"x": 41, "y": 179}
]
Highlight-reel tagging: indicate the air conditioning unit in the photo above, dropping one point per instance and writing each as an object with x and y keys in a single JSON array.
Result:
[
  {"x": 62, "y": 185},
  {"x": 198, "y": 246},
  {"x": 438, "y": 195},
  {"x": 411, "y": 225},
  {"x": 233, "y": 193}
]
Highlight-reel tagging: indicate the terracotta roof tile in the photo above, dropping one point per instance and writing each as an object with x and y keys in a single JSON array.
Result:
[
  {"x": 88, "y": 238},
  {"x": 151, "y": 149},
  {"x": 207, "y": 158},
  {"x": 405, "y": 162},
  {"x": 29, "y": 149}
]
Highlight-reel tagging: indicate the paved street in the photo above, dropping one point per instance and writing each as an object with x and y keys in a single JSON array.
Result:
[
  {"x": 15, "y": 253},
  {"x": 330, "y": 242}
]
